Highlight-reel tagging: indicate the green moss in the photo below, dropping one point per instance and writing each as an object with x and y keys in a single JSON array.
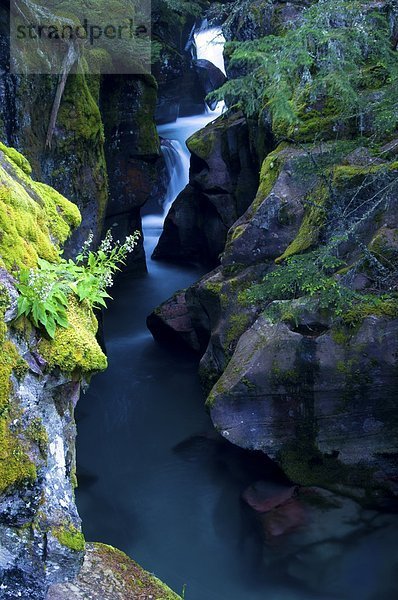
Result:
[
  {"x": 56, "y": 206},
  {"x": 33, "y": 218},
  {"x": 202, "y": 142},
  {"x": 374, "y": 77},
  {"x": 237, "y": 232},
  {"x": 386, "y": 307},
  {"x": 37, "y": 433},
  {"x": 238, "y": 324},
  {"x": 352, "y": 176},
  {"x": 309, "y": 467},
  {"x": 79, "y": 111},
  {"x": 99, "y": 61},
  {"x": 316, "y": 123},
  {"x": 270, "y": 171},
  {"x": 17, "y": 158},
  {"x": 385, "y": 247},
  {"x": 341, "y": 336},
  {"x": 249, "y": 384},
  {"x": 73, "y": 477},
  {"x": 70, "y": 537},
  {"x": 287, "y": 378},
  {"x": 311, "y": 226},
  {"x": 75, "y": 348},
  {"x": 16, "y": 468},
  {"x": 214, "y": 287}
]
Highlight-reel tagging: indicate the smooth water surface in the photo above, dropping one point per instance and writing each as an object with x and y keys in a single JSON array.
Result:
[{"x": 156, "y": 481}]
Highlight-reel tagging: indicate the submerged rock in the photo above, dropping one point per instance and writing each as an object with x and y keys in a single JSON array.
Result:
[{"x": 331, "y": 545}]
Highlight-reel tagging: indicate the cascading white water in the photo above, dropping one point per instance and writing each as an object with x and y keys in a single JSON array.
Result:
[
  {"x": 210, "y": 46},
  {"x": 177, "y": 165}
]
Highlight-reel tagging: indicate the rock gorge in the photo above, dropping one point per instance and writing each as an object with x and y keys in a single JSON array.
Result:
[{"x": 312, "y": 387}]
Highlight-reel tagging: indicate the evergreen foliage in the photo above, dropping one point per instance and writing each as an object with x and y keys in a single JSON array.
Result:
[
  {"x": 183, "y": 7},
  {"x": 331, "y": 61}
]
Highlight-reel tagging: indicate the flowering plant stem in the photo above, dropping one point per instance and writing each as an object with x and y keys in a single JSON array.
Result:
[{"x": 44, "y": 290}]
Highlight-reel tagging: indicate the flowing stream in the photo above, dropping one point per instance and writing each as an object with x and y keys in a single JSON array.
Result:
[{"x": 156, "y": 481}]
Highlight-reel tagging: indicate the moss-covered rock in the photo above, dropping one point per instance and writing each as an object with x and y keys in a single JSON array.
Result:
[
  {"x": 37, "y": 396},
  {"x": 274, "y": 218},
  {"x": 321, "y": 409},
  {"x": 75, "y": 349},
  {"x": 34, "y": 219},
  {"x": 70, "y": 537},
  {"x": 124, "y": 577},
  {"x": 16, "y": 467}
]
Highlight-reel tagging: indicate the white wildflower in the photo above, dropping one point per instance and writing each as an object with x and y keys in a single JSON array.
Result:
[{"x": 106, "y": 244}]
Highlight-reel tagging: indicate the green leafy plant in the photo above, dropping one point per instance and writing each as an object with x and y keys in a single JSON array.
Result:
[
  {"x": 43, "y": 298},
  {"x": 303, "y": 275},
  {"x": 313, "y": 276},
  {"x": 44, "y": 291}
]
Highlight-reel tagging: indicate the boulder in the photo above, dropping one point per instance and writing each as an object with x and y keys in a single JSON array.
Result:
[
  {"x": 315, "y": 405},
  {"x": 172, "y": 322},
  {"x": 211, "y": 78},
  {"x": 273, "y": 220}
]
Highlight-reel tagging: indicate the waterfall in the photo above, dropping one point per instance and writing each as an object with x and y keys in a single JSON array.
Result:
[
  {"x": 209, "y": 45},
  {"x": 177, "y": 165}
]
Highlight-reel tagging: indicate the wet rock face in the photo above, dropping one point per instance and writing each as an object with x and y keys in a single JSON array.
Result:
[
  {"x": 74, "y": 163},
  {"x": 132, "y": 152},
  {"x": 180, "y": 92},
  {"x": 310, "y": 402},
  {"x": 210, "y": 76},
  {"x": 223, "y": 182},
  {"x": 104, "y": 144},
  {"x": 40, "y": 539}
]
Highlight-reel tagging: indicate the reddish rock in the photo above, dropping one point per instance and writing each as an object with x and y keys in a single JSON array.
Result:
[
  {"x": 260, "y": 500},
  {"x": 284, "y": 519},
  {"x": 171, "y": 321}
]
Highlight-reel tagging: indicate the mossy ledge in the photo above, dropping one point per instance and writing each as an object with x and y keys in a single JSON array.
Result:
[
  {"x": 75, "y": 348},
  {"x": 124, "y": 577},
  {"x": 35, "y": 221},
  {"x": 70, "y": 537}
]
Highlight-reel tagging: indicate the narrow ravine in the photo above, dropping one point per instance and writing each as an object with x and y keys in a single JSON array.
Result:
[{"x": 156, "y": 480}]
